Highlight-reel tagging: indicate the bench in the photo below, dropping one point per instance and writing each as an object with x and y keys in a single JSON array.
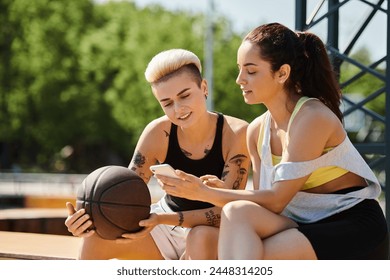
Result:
[
  {"x": 37, "y": 246},
  {"x": 34, "y": 220}
]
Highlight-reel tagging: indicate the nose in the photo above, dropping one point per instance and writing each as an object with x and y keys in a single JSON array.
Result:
[
  {"x": 177, "y": 106},
  {"x": 240, "y": 79}
]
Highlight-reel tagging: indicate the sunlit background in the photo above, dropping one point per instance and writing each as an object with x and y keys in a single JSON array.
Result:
[{"x": 73, "y": 95}]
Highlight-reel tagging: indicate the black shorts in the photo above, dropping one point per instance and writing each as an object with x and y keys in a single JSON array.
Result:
[{"x": 357, "y": 233}]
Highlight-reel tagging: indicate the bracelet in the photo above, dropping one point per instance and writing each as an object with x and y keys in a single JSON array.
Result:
[{"x": 181, "y": 220}]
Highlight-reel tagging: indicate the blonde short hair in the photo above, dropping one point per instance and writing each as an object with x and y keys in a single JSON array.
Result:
[{"x": 169, "y": 61}]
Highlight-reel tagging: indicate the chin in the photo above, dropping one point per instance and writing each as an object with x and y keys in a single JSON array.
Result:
[
  {"x": 187, "y": 122},
  {"x": 247, "y": 98},
  {"x": 248, "y": 101}
]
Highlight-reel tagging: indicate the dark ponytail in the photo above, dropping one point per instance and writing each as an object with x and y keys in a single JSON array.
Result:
[
  {"x": 319, "y": 79},
  {"x": 311, "y": 73}
]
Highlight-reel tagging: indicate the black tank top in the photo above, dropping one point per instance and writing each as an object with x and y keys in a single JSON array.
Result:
[{"x": 213, "y": 163}]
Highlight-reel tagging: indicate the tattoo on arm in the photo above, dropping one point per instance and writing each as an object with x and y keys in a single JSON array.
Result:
[
  {"x": 225, "y": 172},
  {"x": 213, "y": 219},
  {"x": 139, "y": 161},
  {"x": 241, "y": 171}
]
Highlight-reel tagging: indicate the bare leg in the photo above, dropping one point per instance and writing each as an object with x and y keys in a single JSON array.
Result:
[
  {"x": 96, "y": 248},
  {"x": 202, "y": 243},
  {"x": 244, "y": 226},
  {"x": 288, "y": 245}
]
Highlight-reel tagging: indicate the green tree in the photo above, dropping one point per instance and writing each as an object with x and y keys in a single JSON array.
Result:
[
  {"x": 73, "y": 95},
  {"x": 42, "y": 89}
]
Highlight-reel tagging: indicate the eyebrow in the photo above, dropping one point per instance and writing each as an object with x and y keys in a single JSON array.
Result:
[
  {"x": 178, "y": 94},
  {"x": 250, "y": 64}
]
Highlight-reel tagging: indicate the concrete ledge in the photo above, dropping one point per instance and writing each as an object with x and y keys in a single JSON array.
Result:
[
  {"x": 34, "y": 246},
  {"x": 34, "y": 220}
]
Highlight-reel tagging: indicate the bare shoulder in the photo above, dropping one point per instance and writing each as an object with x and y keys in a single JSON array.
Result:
[
  {"x": 317, "y": 116},
  {"x": 315, "y": 127},
  {"x": 157, "y": 126},
  {"x": 234, "y": 137},
  {"x": 236, "y": 125},
  {"x": 153, "y": 141}
]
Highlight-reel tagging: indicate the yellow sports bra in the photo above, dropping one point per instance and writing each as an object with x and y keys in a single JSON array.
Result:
[{"x": 318, "y": 177}]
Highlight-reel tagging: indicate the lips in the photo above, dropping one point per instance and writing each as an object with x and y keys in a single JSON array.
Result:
[
  {"x": 244, "y": 90},
  {"x": 184, "y": 117}
]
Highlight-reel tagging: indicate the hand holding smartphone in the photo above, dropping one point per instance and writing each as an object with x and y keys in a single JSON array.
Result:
[{"x": 164, "y": 169}]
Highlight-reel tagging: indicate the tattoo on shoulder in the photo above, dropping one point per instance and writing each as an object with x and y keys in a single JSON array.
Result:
[
  {"x": 213, "y": 219},
  {"x": 166, "y": 133}
]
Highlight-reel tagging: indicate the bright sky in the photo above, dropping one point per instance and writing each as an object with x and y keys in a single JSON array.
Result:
[{"x": 247, "y": 14}]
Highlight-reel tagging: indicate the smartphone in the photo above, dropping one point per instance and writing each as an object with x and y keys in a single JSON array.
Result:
[{"x": 164, "y": 169}]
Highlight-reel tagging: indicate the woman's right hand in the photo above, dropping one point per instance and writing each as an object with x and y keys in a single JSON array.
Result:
[{"x": 78, "y": 222}]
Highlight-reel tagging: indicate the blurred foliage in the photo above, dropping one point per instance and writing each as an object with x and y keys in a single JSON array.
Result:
[{"x": 73, "y": 96}]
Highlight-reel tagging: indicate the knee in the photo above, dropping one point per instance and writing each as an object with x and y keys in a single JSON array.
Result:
[
  {"x": 200, "y": 236},
  {"x": 93, "y": 248},
  {"x": 238, "y": 209},
  {"x": 202, "y": 243}
]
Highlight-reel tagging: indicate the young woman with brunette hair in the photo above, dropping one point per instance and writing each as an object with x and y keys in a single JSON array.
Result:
[{"x": 314, "y": 196}]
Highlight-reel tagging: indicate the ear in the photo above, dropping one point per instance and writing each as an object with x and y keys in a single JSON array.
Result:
[
  {"x": 204, "y": 87},
  {"x": 283, "y": 73}
]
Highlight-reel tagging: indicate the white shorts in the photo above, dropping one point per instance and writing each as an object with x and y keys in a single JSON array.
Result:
[{"x": 170, "y": 241}]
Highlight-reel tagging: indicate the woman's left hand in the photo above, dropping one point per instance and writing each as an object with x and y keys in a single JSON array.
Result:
[
  {"x": 213, "y": 181},
  {"x": 188, "y": 186}
]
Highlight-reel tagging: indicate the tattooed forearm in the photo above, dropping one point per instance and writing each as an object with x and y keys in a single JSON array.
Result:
[{"x": 213, "y": 219}]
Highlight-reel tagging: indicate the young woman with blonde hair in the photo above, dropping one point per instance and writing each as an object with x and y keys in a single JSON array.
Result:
[{"x": 188, "y": 137}]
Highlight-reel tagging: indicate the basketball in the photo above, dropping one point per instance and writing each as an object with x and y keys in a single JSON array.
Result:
[{"x": 116, "y": 198}]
